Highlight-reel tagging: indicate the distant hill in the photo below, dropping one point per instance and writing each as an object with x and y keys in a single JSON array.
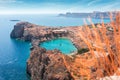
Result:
[{"x": 95, "y": 14}]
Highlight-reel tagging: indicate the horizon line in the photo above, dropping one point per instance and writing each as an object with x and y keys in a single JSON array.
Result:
[{"x": 50, "y": 12}]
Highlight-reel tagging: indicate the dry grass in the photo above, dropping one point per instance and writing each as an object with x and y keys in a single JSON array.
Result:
[{"x": 103, "y": 59}]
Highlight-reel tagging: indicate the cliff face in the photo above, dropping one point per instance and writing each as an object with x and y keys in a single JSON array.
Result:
[
  {"x": 47, "y": 65},
  {"x": 42, "y": 33},
  {"x": 18, "y": 30}
]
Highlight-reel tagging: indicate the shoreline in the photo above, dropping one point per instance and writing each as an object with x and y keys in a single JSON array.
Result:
[{"x": 71, "y": 53}]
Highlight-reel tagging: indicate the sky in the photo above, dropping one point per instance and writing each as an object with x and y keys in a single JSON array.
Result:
[{"x": 56, "y": 6}]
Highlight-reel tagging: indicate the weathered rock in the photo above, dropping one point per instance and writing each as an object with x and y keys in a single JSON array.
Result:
[
  {"x": 47, "y": 65},
  {"x": 29, "y": 32},
  {"x": 18, "y": 30}
]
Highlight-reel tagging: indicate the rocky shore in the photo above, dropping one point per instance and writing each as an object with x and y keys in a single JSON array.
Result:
[{"x": 43, "y": 64}]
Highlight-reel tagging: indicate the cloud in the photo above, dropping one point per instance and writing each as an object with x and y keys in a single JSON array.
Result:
[
  {"x": 4, "y": 4},
  {"x": 1, "y": 7},
  {"x": 10, "y": 1},
  {"x": 92, "y": 2},
  {"x": 111, "y": 6},
  {"x": 52, "y": 6}
]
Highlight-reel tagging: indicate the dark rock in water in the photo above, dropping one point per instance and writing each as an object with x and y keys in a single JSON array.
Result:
[
  {"x": 47, "y": 65},
  {"x": 18, "y": 30}
]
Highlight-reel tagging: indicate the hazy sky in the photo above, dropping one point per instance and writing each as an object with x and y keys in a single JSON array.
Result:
[{"x": 56, "y": 6}]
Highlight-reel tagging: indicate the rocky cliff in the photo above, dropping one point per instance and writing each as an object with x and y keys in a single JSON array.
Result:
[
  {"x": 36, "y": 34},
  {"x": 18, "y": 30},
  {"x": 47, "y": 65}
]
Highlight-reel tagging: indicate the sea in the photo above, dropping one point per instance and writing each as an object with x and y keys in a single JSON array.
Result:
[{"x": 14, "y": 53}]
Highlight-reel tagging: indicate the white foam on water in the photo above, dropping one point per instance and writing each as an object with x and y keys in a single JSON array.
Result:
[{"x": 10, "y": 62}]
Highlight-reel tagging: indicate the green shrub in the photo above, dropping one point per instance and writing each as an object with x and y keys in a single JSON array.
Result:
[{"x": 83, "y": 50}]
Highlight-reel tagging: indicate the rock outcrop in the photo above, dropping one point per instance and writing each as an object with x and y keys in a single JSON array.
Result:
[
  {"x": 18, "y": 30},
  {"x": 47, "y": 65},
  {"x": 30, "y": 32}
]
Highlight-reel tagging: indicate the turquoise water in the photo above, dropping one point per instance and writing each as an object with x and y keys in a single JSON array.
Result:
[
  {"x": 64, "y": 45},
  {"x": 14, "y": 53}
]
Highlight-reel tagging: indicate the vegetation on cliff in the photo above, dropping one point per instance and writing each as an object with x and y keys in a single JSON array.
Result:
[{"x": 83, "y": 50}]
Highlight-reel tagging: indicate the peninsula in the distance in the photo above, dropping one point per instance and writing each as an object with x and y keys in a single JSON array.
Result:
[{"x": 95, "y": 14}]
